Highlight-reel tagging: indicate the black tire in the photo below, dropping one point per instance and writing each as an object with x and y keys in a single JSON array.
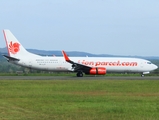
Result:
[{"x": 79, "y": 74}]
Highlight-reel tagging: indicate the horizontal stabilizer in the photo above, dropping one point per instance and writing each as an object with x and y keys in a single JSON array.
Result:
[{"x": 11, "y": 58}]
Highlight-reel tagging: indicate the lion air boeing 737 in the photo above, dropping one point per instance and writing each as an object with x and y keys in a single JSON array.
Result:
[{"x": 18, "y": 55}]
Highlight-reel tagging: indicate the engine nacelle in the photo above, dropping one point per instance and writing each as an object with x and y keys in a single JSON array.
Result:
[{"x": 97, "y": 71}]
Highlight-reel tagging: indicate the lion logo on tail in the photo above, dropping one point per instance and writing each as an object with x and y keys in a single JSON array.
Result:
[{"x": 14, "y": 47}]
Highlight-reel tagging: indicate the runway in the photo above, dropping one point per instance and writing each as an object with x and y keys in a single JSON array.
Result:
[{"x": 78, "y": 78}]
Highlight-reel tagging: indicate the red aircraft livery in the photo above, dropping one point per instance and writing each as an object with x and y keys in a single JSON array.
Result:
[{"x": 101, "y": 63}]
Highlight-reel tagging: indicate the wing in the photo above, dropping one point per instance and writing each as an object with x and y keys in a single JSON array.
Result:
[{"x": 76, "y": 66}]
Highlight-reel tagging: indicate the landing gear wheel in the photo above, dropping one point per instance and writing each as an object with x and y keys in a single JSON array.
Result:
[
  {"x": 142, "y": 75},
  {"x": 79, "y": 74}
]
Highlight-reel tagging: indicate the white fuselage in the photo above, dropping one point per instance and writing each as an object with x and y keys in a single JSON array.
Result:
[
  {"x": 17, "y": 54},
  {"x": 116, "y": 64}
]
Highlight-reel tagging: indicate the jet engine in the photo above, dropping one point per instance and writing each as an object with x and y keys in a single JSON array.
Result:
[{"x": 97, "y": 71}]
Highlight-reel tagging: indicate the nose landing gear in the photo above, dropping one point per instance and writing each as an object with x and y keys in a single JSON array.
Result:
[{"x": 142, "y": 75}]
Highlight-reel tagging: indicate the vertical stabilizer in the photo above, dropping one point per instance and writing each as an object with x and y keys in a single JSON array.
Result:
[{"x": 15, "y": 49}]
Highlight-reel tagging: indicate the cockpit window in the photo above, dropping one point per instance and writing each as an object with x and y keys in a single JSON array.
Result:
[{"x": 149, "y": 63}]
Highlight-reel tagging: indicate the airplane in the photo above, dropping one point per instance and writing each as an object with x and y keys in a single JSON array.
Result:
[{"x": 18, "y": 55}]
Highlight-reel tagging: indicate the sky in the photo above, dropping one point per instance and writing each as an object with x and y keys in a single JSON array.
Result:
[{"x": 116, "y": 27}]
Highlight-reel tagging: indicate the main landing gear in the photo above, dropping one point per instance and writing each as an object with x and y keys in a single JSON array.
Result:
[{"x": 79, "y": 74}]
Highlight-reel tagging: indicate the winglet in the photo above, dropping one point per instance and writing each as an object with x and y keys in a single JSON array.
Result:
[{"x": 65, "y": 56}]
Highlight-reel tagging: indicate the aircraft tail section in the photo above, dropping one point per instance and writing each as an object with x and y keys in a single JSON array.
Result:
[{"x": 14, "y": 47}]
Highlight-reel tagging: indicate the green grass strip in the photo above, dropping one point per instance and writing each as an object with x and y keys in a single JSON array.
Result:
[{"x": 79, "y": 99}]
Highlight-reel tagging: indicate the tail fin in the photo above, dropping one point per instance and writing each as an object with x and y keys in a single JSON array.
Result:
[{"x": 15, "y": 49}]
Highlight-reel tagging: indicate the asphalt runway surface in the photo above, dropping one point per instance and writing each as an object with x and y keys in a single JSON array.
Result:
[{"x": 78, "y": 78}]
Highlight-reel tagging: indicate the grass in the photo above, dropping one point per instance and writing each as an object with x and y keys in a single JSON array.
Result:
[{"x": 79, "y": 100}]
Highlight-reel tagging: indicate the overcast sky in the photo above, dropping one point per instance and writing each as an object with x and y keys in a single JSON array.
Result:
[{"x": 117, "y": 27}]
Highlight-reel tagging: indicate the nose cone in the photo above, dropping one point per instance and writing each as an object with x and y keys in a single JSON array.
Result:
[{"x": 155, "y": 67}]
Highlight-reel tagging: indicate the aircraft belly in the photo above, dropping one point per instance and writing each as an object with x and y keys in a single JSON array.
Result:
[{"x": 51, "y": 67}]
